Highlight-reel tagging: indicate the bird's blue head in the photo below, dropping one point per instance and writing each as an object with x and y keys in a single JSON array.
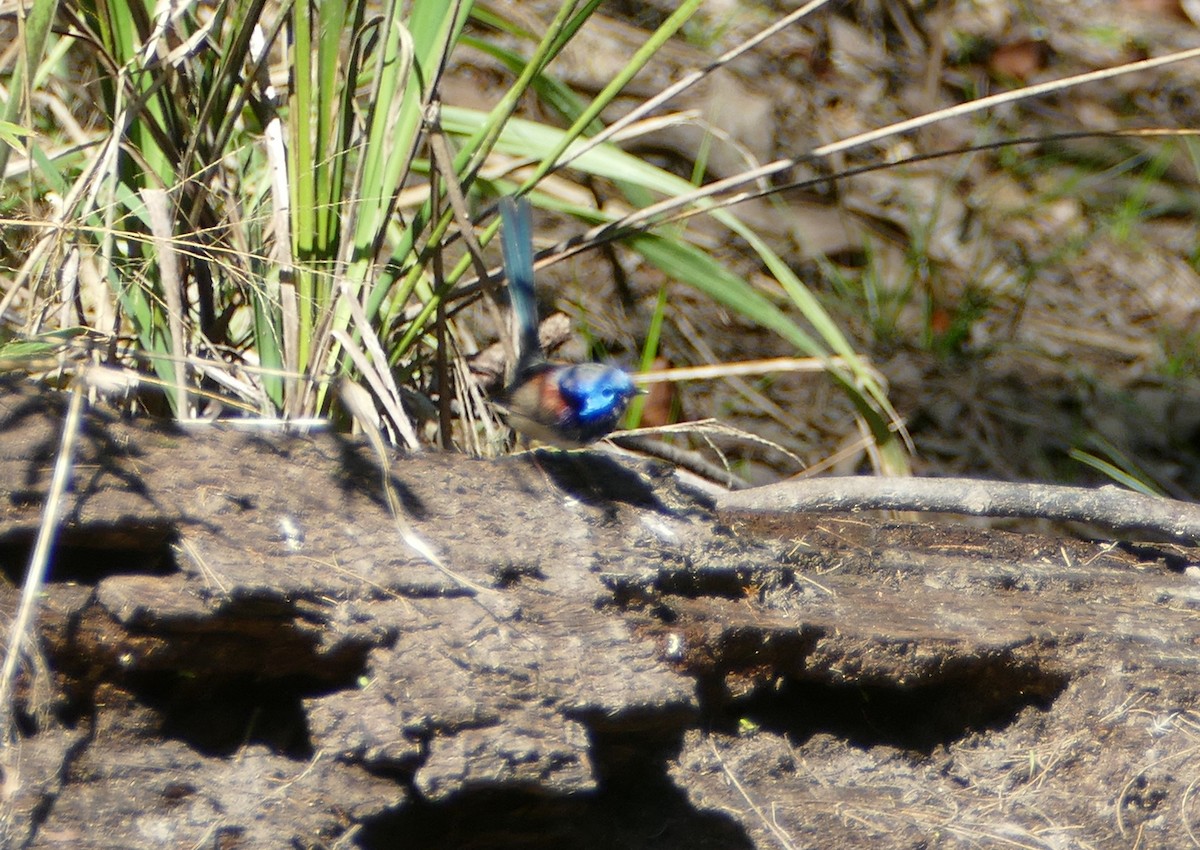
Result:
[{"x": 595, "y": 394}]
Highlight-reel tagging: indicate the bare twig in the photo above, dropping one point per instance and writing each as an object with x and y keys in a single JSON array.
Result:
[
  {"x": 692, "y": 461},
  {"x": 1108, "y": 506}
]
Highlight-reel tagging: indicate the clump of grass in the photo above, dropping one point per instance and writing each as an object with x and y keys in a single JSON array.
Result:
[
  {"x": 269, "y": 198},
  {"x": 257, "y": 237}
]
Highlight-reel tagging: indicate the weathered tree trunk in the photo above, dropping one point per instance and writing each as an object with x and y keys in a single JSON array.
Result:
[{"x": 240, "y": 651}]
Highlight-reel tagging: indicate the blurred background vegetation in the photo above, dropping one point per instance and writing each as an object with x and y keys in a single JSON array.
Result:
[{"x": 223, "y": 209}]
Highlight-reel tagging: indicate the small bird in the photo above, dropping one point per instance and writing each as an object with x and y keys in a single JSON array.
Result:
[{"x": 565, "y": 405}]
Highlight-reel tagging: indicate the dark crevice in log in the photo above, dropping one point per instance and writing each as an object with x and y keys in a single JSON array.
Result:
[
  {"x": 218, "y": 684},
  {"x": 747, "y": 652},
  {"x": 1175, "y": 561},
  {"x": 636, "y": 755},
  {"x": 510, "y": 574},
  {"x": 724, "y": 582},
  {"x": 978, "y": 696},
  {"x": 400, "y": 771},
  {"x": 217, "y": 718},
  {"x": 86, "y": 554}
]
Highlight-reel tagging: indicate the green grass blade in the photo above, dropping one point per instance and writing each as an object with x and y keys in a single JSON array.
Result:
[
  {"x": 609, "y": 93},
  {"x": 1114, "y": 472},
  {"x": 38, "y": 20}
]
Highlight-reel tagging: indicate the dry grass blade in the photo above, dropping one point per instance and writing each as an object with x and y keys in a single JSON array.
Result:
[
  {"x": 376, "y": 369},
  {"x": 710, "y": 428},
  {"x": 172, "y": 287},
  {"x": 39, "y": 561},
  {"x": 664, "y": 210},
  {"x": 683, "y": 459},
  {"x": 984, "y": 103},
  {"x": 781, "y": 836},
  {"x": 775, "y": 188},
  {"x": 758, "y": 398},
  {"x": 613, "y": 130},
  {"x": 358, "y": 402},
  {"x": 747, "y": 367}
]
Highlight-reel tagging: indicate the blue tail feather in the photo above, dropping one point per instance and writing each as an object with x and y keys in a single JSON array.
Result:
[{"x": 517, "y": 242}]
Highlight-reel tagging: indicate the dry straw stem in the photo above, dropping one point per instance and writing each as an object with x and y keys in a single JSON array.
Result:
[
  {"x": 644, "y": 441},
  {"x": 810, "y": 182},
  {"x": 682, "y": 459},
  {"x": 1139, "y": 774},
  {"x": 375, "y": 368},
  {"x": 162, "y": 233},
  {"x": 40, "y": 559},
  {"x": 358, "y": 403},
  {"x": 717, "y": 371},
  {"x": 709, "y": 428},
  {"x": 780, "y": 835},
  {"x": 1108, "y": 506}
]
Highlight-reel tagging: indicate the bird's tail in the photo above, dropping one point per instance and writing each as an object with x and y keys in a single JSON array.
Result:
[{"x": 517, "y": 241}]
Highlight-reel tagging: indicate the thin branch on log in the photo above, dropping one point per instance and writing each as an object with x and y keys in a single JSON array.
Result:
[
  {"x": 1108, "y": 506},
  {"x": 691, "y": 461}
]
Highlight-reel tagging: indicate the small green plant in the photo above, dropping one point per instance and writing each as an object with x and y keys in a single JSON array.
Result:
[
  {"x": 1181, "y": 354},
  {"x": 1135, "y": 206},
  {"x": 950, "y": 329}
]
